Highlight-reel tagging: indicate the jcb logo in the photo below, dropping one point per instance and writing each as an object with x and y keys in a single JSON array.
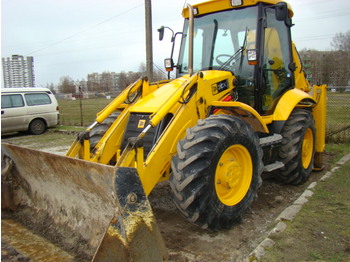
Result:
[
  {"x": 141, "y": 124},
  {"x": 219, "y": 86}
]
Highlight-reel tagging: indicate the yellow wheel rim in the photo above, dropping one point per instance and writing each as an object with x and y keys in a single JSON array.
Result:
[
  {"x": 307, "y": 148},
  {"x": 233, "y": 175}
]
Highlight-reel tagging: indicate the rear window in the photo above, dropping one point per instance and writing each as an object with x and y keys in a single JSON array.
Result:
[
  {"x": 37, "y": 99},
  {"x": 8, "y": 101}
]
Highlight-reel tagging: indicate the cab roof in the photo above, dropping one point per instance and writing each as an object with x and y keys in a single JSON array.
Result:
[{"x": 213, "y": 6}]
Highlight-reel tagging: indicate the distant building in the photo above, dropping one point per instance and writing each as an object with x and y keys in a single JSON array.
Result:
[
  {"x": 104, "y": 82},
  {"x": 18, "y": 71}
]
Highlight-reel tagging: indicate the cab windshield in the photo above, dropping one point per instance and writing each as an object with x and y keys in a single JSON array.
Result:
[{"x": 220, "y": 41}]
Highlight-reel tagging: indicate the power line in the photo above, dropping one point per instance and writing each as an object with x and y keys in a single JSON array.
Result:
[
  {"x": 312, "y": 37},
  {"x": 302, "y": 39},
  {"x": 161, "y": 70},
  {"x": 84, "y": 30},
  {"x": 308, "y": 3},
  {"x": 324, "y": 15}
]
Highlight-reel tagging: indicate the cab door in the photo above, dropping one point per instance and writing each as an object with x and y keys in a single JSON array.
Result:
[{"x": 276, "y": 65}]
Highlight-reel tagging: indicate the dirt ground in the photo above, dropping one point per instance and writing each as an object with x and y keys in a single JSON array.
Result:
[{"x": 186, "y": 242}]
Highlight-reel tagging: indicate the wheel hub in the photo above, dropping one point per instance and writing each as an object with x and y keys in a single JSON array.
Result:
[{"x": 233, "y": 175}]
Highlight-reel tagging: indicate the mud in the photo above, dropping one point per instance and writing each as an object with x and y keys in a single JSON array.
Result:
[
  {"x": 186, "y": 242},
  {"x": 8, "y": 253}
]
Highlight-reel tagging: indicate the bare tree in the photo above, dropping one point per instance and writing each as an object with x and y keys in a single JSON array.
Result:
[
  {"x": 128, "y": 78},
  {"x": 327, "y": 67},
  {"x": 51, "y": 87},
  {"x": 341, "y": 41},
  {"x": 159, "y": 74},
  {"x": 66, "y": 85},
  {"x": 143, "y": 69}
]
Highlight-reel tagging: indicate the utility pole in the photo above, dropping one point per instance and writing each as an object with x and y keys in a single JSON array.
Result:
[{"x": 149, "y": 49}]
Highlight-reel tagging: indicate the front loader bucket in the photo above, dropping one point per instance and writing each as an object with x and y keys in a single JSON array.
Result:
[{"x": 104, "y": 207}]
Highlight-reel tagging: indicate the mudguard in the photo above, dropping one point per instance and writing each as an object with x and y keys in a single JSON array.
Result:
[{"x": 289, "y": 101}]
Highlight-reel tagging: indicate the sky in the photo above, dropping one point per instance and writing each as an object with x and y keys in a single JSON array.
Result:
[{"x": 77, "y": 37}]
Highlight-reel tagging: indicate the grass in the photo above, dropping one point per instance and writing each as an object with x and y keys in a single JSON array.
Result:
[
  {"x": 69, "y": 128},
  {"x": 338, "y": 149},
  {"x": 48, "y": 139},
  {"x": 321, "y": 231},
  {"x": 70, "y": 114}
]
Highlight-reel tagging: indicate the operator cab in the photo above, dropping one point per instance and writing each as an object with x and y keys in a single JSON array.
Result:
[{"x": 251, "y": 41}]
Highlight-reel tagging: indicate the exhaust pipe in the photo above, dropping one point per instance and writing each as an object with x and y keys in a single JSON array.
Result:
[{"x": 190, "y": 40}]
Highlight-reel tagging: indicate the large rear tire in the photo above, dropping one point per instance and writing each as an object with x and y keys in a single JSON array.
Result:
[
  {"x": 216, "y": 171},
  {"x": 99, "y": 131},
  {"x": 298, "y": 148}
]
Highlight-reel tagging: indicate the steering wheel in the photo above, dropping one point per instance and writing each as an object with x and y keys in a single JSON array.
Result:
[{"x": 217, "y": 59}]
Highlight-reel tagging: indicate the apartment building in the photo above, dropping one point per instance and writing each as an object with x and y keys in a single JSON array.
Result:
[
  {"x": 103, "y": 82},
  {"x": 18, "y": 71}
]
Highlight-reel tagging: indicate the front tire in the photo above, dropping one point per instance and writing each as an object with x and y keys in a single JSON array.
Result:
[
  {"x": 298, "y": 148},
  {"x": 216, "y": 171},
  {"x": 99, "y": 131}
]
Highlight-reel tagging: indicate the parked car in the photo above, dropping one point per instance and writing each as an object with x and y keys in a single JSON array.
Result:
[{"x": 31, "y": 109}]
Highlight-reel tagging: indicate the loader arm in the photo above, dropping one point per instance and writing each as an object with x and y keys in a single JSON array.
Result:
[
  {"x": 80, "y": 145},
  {"x": 175, "y": 106}
]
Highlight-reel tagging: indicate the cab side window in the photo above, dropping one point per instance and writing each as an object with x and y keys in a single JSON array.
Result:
[
  {"x": 9, "y": 101},
  {"x": 277, "y": 57}
]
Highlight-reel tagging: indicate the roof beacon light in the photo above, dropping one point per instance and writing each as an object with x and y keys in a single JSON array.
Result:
[{"x": 236, "y": 2}]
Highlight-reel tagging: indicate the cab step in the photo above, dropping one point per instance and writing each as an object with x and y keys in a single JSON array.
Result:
[
  {"x": 270, "y": 140},
  {"x": 273, "y": 166}
]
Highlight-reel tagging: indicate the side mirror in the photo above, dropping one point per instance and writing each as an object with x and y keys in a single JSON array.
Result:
[
  {"x": 168, "y": 64},
  {"x": 252, "y": 56},
  {"x": 281, "y": 11},
  {"x": 161, "y": 33}
]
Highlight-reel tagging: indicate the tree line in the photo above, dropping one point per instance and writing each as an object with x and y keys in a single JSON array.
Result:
[
  {"x": 102, "y": 83},
  {"x": 329, "y": 67}
]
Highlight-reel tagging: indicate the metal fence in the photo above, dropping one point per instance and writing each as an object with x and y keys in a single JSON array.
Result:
[{"x": 338, "y": 114}]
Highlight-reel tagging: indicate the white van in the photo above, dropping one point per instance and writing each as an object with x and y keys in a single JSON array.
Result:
[{"x": 30, "y": 109}]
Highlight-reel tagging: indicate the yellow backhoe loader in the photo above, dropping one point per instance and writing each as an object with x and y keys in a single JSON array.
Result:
[{"x": 240, "y": 105}]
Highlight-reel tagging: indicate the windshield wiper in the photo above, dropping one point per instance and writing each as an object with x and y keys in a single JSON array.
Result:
[{"x": 227, "y": 65}]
